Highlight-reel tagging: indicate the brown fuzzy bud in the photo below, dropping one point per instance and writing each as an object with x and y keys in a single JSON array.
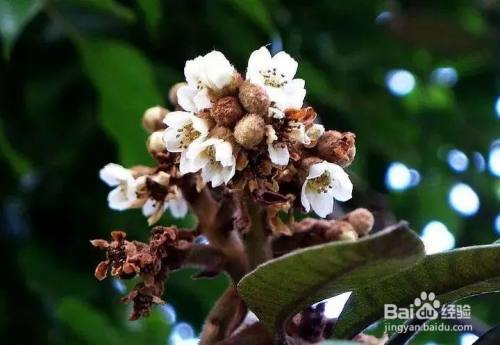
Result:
[
  {"x": 337, "y": 147},
  {"x": 155, "y": 142},
  {"x": 254, "y": 98},
  {"x": 172, "y": 93},
  {"x": 339, "y": 230},
  {"x": 227, "y": 111},
  {"x": 361, "y": 220},
  {"x": 222, "y": 133},
  {"x": 249, "y": 131},
  {"x": 152, "y": 120}
]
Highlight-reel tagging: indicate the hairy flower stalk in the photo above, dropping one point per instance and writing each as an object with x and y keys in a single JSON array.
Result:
[{"x": 244, "y": 156}]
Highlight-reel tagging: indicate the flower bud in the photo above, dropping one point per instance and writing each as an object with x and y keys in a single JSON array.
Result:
[
  {"x": 361, "y": 220},
  {"x": 340, "y": 230},
  {"x": 152, "y": 120},
  {"x": 172, "y": 93},
  {"x": 249, "y": 131},
  {"x": 337, "y": 147},
  {"x": 254, "y": 98},
  {"x": 155, "y": 142},
  {"x": 227, "y": 111}
]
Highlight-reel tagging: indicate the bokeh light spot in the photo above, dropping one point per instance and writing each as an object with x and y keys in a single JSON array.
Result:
[
  {"x": 400, "y": 82},
  {"x": 464, "y": 199},
  {"x": 446, "y": 76},
  {"x": 437, "y": 237},
  {"x": 457, "y": 160},
  {"x": 494, "y": 158}
]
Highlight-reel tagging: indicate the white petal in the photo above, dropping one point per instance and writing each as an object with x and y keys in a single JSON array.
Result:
[
  {"x": 193, "y": 70},
  {"x": 201, "y": 125},
  {"x": 218, "y": 70},
  {"x": 271, "y": 136},
  {"x": 259, "y": 60},
  {"x": 224, "y": 153},
  {"x": 317, "y": 169},
  {"x": 278, "y": 153},
  {"x": 178, "y": 119},
  {"x": 299, "y": 132},
  {"x": 113, "y": 174},
  {"x": 178, "y": 206},
  {"x": 118, "y": 199},
  {"x": 185, "y": 165},
  {"x": 212, "y": 173},
  {"x": 303, "y": 197},
  {"x": 172, "y": 140},
  {"x": 285, "y": 64},
  {"x": 315, "y": 132},
  {"x": 342, "y": 185},
  {"x": 185, "y": 97},
  {"x": 202, "y": 101},
  {"x": 229, "y": 171},
  {"x": 321, "y": 203},
  {"x": 149, "y": 207}
]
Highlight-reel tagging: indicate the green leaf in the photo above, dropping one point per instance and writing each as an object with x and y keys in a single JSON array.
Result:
[
  {"x": 451, "y": 276},
  {"x": 110, "y": 6},
  {"x": 126, "y": 88},
  {"x": 278, "y": 289},
  {"x": 256, "y": 11},
  {"x": 151, "y": 10},
  {"x": 89, "y": 325},
  {"x": 14, "y": 15},
  {"x": 492, "y": 337}
]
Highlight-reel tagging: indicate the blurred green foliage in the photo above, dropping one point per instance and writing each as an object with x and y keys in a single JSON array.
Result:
[{"x": 76, "y": 76}]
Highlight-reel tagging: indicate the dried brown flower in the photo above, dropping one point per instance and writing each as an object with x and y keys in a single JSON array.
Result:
[
  {"x": 118, "y": 252},
  {"x": 337, "y": 147}
]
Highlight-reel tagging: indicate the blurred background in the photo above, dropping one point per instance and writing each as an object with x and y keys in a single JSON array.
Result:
[{"x": 417, "y": 81}]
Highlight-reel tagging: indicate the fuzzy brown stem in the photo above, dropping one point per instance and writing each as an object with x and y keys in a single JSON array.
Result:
[
  {"x": 258, "y": 239},
  {"x": 226, "y": 315}
]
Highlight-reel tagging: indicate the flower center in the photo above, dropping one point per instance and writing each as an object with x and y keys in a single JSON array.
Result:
[
  {"x": 273, "y": 78},
  {"x": 321, "y": 184},
  {"x": 187, "y": 134}
]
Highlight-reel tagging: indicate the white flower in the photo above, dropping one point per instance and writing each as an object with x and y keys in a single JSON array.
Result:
[
  {"x": 124, "y": 196},
  {"x": 275, "y": 113},
  {"x": 297, "y": 132},
  {"x": 278, "y": 151},
  {"x": 276, "y": 75},
  {"x": 204, "y": 73},
  {"x": 183, "y": 128},
  {"x": 174, "y": 200},
  {"x": 325, "y": 182},
  {"x": 214, "y": 157},
  {"x": 313, "y": 133}
]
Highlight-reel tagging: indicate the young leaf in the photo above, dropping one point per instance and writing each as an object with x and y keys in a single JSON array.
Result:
[
  {"x": 125, "y": 84},
  {"x": 451, "y": 276},
  {"x": 278, "y": 289}
]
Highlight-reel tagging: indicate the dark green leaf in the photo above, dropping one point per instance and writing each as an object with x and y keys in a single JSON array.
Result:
[
  {"x": 492, "y": 337},
  {"x": 14, "y": 15},
  {"x": 152, "y": 13},
  {"x": 451, "y": 276},
  {"x": 89, "y": 325},
  {"x": 255, "y": 11},
  {"x": 282, "y": 287},
  {"x": 126, "y": 88}
]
